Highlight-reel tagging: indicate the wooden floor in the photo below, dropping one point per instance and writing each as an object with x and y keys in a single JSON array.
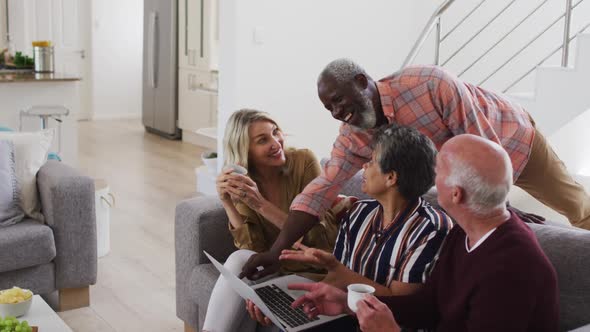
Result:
[{"x": 148, "y": 175}]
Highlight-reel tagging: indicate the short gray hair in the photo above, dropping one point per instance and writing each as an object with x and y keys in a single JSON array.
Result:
[
  {"x": 410, "y": 154},
  {"x": 343, "y": 71},
  {"x": 482, "y": 196}
]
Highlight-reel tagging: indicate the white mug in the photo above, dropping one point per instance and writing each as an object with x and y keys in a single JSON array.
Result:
[{"x": 357, "y": 292}]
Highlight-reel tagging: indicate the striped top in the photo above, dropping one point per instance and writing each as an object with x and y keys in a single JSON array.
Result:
[
  {"x": 440, "y": 106},
  {"x": 405, "y": 251}
]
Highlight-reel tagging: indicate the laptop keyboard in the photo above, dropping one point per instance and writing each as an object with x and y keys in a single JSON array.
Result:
[{"x": 279, "y": 303}]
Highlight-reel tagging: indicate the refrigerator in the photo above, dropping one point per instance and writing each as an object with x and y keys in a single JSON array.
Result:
[{"x": 160, "y": 104}]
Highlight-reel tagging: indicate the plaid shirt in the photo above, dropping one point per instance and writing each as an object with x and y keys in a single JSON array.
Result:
[{"x": 440, "y": 106}]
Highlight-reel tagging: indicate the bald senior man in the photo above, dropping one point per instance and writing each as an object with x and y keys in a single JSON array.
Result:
[
  {"x": 439, "y": 105},
  {"x": 491, "y": 275}
]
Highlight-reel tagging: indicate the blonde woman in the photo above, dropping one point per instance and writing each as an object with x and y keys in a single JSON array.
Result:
[{"x": 257, "y": 205}]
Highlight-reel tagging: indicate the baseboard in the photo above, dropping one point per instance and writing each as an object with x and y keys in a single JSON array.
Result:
[
  {"x": 84, "y": 116},
  {"x": 199, "y": 140},
  {"x": 115, "y": 116}
]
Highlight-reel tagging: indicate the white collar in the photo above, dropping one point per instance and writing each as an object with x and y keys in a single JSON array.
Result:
[{"x": 483, "y": 238}]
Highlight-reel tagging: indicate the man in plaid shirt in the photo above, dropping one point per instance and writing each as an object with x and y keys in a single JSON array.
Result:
[{"x": 439, "y": 105}]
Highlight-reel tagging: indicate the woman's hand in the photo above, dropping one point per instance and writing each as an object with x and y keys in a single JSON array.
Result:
[
  {"x": 256, "y": 314},
  {"x": 246, "y": 190},
  {"x": 222, "y": 185},
  {"x": 312, "y": 256}
]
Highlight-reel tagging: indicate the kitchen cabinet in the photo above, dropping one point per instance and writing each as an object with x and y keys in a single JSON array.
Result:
[
  {"x": 198, "y": 40},
  {"x": 197, "y": 99},
  {"x": 198, "y": 34},
  {"x": 66, "y": 23}
]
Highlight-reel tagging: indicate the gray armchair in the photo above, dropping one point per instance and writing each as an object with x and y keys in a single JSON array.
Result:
[
  {"x": 201, "y": 224},
  {"x": 59, "y": 255}
]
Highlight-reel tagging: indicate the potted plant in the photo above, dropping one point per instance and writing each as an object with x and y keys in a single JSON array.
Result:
[{"x": 210, "y": 160}]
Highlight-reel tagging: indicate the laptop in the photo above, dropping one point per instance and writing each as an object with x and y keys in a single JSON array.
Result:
[{"x": 274, "y": 299}]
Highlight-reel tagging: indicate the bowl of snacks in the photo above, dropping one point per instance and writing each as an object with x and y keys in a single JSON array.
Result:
[{"x": 15, "y": 302}]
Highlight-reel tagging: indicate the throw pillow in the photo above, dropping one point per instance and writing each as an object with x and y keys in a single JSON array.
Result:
[
  {"x": 30, "y": 151},
  {"x": 10, "y": 211}
]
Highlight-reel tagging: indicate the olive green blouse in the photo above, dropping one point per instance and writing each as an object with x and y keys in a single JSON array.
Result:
[{"x": 258, "y": 234}]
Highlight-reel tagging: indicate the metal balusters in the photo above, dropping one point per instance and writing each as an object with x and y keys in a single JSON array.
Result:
[
  {"x": 426, "y": 32},
  {"x": 503, "y": 37},
  {"x": 545, "y": 58},
  {"x": 566, "y": 33}
]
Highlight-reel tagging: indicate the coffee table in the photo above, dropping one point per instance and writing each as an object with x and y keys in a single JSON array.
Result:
[{"x": 42, "y": 316}]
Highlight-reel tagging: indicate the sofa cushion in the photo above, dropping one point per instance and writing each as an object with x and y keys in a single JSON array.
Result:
[
  {"x": 201, "y": 283},
  {"x": 40, "y": 279},
  {"x": 25, "y": 244},
  {"x": 567, "y": 249},
  {"x": 30, "y": 150},
  {"x": 10, "y": 211}
]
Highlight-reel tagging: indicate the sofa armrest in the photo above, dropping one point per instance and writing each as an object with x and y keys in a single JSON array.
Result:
[
  {"x": 200, "y": 224},
  {"x": 67, "y": 201},
  {"x": 567, "y": 249},
  {"x": 585, "y": 328}
]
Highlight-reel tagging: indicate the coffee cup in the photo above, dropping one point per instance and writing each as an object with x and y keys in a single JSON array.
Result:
[{"x": 357, "y": 292}]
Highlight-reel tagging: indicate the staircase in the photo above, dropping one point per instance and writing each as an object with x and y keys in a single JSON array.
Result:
[
  {"x": 561, "y": 94},
  {"x": 561, "y": 107},
  {"x": 513, "y": 46}
]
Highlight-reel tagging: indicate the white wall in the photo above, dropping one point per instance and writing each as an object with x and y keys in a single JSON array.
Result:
[
  {"x": 278, "y": 74},
  {"x": 299, "y": 39},
  {"x": 117, "y": 46}
]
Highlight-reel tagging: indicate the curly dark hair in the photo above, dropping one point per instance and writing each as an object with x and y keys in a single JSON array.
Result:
[{"x": 410, "y": 154}]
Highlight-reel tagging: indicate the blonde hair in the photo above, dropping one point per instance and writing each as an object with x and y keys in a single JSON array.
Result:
[{"x": 236, "y": 141}]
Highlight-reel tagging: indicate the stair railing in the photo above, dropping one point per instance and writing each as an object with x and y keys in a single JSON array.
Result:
[
  {"x": 546, "y": 58},
  {"x": 518, "y": 24},
  {"x": 435, "y": 19},
  {"x": 479, "y": 31},
  {"x": 532, "y": 40}
]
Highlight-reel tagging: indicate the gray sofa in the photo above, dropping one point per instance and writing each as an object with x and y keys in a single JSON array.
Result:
[
  {"x": 59, "y": 255},
  {"x": 201, "y": 224}
]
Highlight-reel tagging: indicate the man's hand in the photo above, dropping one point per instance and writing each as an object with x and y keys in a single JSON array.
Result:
[
  {"x": 375, "y": 316},
  {"x": 525, "y": 216},
  {"x": 312, "y": 256},
  {"x": 297, "y": 224},
  {"x": 256, "y": 314},
  {"x": 321, "y": 299},
  {"x": 268, "y": 261}
]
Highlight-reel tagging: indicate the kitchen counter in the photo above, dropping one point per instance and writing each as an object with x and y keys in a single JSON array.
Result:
[
  {"x": 21, "y": 90},
  {"x": 29, "y": 76}
]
